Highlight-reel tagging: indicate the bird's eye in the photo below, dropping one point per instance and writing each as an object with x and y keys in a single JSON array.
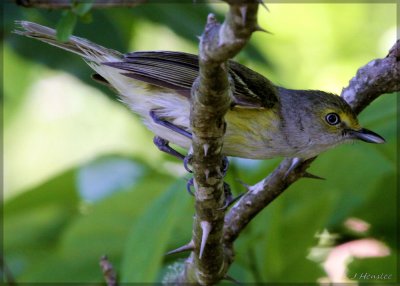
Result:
[{"x": 332, "y": 118}]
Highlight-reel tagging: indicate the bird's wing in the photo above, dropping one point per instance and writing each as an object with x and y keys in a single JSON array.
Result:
[{"x": 177, "y": 71}]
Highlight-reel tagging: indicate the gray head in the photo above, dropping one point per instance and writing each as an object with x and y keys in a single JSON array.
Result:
[{"x": 316, "y": 121}]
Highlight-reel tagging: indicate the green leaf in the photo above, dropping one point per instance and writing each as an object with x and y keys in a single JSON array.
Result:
[
  {"x": 82, "y": 8},
  {"x": 86, "y": 18},
  {"x": 383, "y": 199},
  {"x": 59, "y": 191},
  {"x": 98, "y": 229},
  {"x": 149, "y": 237},
  {"x": 282, "y": 235},
  {"x": 66, "y": 26},
  {"x": 33, "y": 222}
]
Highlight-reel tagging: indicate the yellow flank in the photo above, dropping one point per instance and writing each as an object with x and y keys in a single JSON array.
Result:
[
  {"x": 249, "y": 130},
  {"x": 252, "y": 119}
]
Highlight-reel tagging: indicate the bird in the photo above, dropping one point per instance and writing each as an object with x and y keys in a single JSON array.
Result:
[{"x": 264, "y": 120}]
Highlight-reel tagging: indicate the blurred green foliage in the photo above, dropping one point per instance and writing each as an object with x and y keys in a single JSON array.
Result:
[{"x": 63, "y": 137}]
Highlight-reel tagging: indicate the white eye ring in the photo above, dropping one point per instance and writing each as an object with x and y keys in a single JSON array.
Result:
[{"x": 332, "y": 118}]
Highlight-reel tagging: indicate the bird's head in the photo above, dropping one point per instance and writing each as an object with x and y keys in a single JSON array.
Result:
[
  {"x": 338, "y": 119},
  {"x": 323, "y": 120}
]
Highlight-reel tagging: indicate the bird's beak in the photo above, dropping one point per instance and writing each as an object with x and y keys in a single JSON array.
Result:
[{"x": 366, "y": 135}]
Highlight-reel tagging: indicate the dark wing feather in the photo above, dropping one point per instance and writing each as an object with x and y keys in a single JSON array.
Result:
[{"x": 178, "y": 71}]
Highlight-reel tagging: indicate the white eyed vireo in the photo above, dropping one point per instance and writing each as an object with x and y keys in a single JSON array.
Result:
[{"x": 264, "y": 121}]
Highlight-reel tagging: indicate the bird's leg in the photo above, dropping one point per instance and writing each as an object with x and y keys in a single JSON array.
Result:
[
  {"x": 186, "y": 162},
  {"x": 163, "y": 145},
  {"x": 169, "y": 125},
  {"x": 189, "y": 186},
  {"x": 225, "y": 165}
]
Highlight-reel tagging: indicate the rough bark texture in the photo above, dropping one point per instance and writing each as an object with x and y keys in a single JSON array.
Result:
[
  {"x": 210, "y": 101},
  {"x": 377, "y": 77}
]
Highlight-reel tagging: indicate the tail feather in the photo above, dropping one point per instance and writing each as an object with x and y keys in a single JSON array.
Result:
[{"x": 86, "y": 49}]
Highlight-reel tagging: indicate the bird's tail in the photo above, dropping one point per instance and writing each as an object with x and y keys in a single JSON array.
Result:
[{"x": 89, "y": 51}]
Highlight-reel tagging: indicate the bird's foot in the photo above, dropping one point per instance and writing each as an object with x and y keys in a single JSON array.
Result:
[
  {"x": 229, "y": 198},
  {"x": 163, "y": 145},
  {"x": 189, "y": 185}
]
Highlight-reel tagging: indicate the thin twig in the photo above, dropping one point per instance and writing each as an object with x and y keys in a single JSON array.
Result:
[{"x": 108, "y": 271}]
